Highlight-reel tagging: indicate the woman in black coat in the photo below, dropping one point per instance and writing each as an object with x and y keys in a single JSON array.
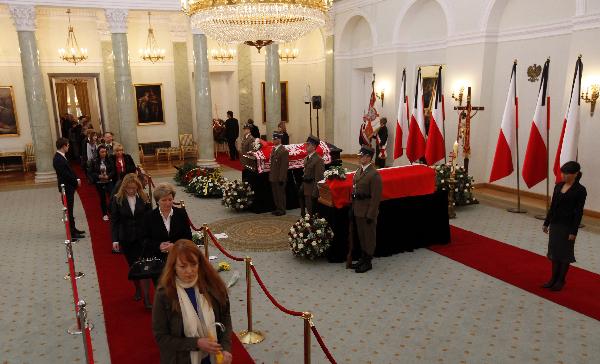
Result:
[
  {"x": 165, "y": 224},
  {"x": 562, "y": 222},
  {"x": 128, "y": 210},
  {"x": 102, "y": 174}
]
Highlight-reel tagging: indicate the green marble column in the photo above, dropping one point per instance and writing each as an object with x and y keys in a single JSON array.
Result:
[
  {"x": 126, "y": 104},
  {"x": 272, "y": 88},
  {"x": 328, "y": 101},
  {"x": 39, "y": 119},
  {"x": 246, "y": 104},
  {"x": 203, "y": 102},
  {"x": 110, "y": 97},
  {"x": 183, "y": 99}
]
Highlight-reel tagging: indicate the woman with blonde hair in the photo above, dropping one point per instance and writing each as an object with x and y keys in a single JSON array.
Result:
[
  {"x": 128, "y": 210},
  {"x": 190, "y": 302}
]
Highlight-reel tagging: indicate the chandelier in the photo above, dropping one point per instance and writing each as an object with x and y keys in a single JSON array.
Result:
[
  {"x": 256, "y": 22},
  {"x": 72, "y": 53},
  {"x": 152, "y": 53},
  {"x": 223, "y": 53},
  {"x": 288, "y": 53}
]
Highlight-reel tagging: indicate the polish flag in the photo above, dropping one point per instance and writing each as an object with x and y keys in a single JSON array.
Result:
[
  {"x": 435, "y": 149},
  {"x": 535, "y": 165},
  {"x": 415, "y": 145},
  {"x": 401, "y": 138},
  {"x": 505, "y": 149},
  {"x": 569, "y": 136}
]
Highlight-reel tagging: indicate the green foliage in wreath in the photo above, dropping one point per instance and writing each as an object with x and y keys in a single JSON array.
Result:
[
  {"x": 463, "y": 190},
  {"x": 182, "y": 171},
  {"x": 237, "y": 195},
  {"x": 208, "y": 183},
  {"x": 310, "y": 237}
]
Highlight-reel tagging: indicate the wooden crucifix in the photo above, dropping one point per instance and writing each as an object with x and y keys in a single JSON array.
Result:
[{"x": 467, "y": 112}]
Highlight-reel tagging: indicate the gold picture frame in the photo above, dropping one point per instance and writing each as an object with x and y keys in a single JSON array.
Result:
[
  {"x": 149, "y": 103},
  {"x": 284, "y": 102},
  {"x": 9, "y": 121}
]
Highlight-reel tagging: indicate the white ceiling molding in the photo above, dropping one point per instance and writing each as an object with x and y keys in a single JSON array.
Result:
[
  {"x": 346, "y": 5},
  {"x": 165, "y": 5},
  {"x": 586, "y": 22}
]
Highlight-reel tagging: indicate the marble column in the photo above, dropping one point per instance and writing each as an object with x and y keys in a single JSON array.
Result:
[
  {"x": 246, "y": 101},
  {"x": 272, "y": 88},
  {"x": 126, "y": 105},
  {"x": 328, "y": 100},
  {"x": 39, "y": 118},
  {"x": 183, "y": 99},
  {"x": 110, "y": 97},
  {"x": 203, "y": 102}
]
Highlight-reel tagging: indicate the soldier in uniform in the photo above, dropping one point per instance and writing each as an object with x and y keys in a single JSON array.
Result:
[
  {"x": 278, "y": 173},
  {"x": 313, "y": 173},
  {"x": 366, "y": 195},
  {"x": 247, "y": 139}
]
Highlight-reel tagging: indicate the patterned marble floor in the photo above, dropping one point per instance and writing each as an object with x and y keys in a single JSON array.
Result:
[{"x": 415, "y": 307}]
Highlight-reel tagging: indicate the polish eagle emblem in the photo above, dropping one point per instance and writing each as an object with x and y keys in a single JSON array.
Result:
[{"x": 534, "y": 72}]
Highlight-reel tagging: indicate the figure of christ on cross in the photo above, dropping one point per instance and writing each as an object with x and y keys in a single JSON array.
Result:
[{"x": 467, "y": 112}]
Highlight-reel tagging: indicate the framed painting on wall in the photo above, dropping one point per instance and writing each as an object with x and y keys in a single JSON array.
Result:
[
  {"x": 9, "y": 124},
  {"x": 149, "y": 104},
  {"x": 284, "y": 102}
]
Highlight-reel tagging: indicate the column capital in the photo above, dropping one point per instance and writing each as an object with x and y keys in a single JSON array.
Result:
[
  {"x": 328, "y": 27},
  {"x": 117, "y": 20},
  {"x": 196, "y": 31},
  {"x": 23, "y": 17}
]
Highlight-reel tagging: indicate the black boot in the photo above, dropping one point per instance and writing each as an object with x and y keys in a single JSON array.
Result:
[
  {"x": 365, "y": 266},
  {"x": 358, "y": 263},
  {"x": 562, "y": 275},
  {"x": 555, "y": 269}
]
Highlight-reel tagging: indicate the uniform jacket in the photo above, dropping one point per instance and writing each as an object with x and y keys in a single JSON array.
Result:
[
  {"x": 247, "y": 144},
  {"x": 156, "y": 233},
  {"x": 167, "y": 326},
  {"x": 366, "y": 188},
  {"x": 313, "y": 173},
  {"x": 279, "y": 165},
  {"x": 127, "y": 226},
  {"x": 567, "y": 208},
  {"x": 64, "y": 173}
]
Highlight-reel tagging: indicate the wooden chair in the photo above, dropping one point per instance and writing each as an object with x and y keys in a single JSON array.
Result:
[
  {"x": 221, "y": 147},
  {"x": 28, "y": 157},
  {"x": 187, "y": 145}
]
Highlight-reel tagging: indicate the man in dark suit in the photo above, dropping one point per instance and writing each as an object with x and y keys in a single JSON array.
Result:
[
  {"x": 278, "y": 174},
  {"x": 232, "y": 132},
  {"x": 313, "y": 173},
  {"x": 66, "y": 176},
  {"x": 366, "y": 195}
]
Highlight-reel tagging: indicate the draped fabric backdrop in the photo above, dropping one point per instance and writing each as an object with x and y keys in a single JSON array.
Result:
[
  {"x": 62, "y": 98},
  {"x": 81, "y": 91}
]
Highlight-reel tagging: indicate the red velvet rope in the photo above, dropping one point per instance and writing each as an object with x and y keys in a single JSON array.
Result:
[
  {"x": 322, "y": 344},
  {"x": 214, "y": 240},
  {"x": 271, "y": 298},
  {"x": 194, "y": 226}
]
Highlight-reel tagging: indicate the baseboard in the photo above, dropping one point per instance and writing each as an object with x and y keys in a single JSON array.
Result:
[{"x": 533, "y": 195}]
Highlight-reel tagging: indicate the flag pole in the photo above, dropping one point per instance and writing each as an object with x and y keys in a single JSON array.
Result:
[
  {"x": 543, "y": 217},
  {"x": 518, "y": 210}
]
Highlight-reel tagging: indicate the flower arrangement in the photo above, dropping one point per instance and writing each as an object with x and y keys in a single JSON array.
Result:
[
  {"x": 223, "y": 267},
  {"x": 198, "y": 237},
  {"x": 182, "y": 172},
  {"x": 463, "y": 190},
  {"x": 237, "y": 195},
  {"x": 206, "y": 182},
  {"x": 336, "y": 172},
  {"x": 310, "y": 237},
  {"x": 257, "y": 144}
]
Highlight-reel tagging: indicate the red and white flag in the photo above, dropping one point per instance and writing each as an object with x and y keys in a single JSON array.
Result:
[
  {"x": 415, "y": 145},
  {"x": 366, "y": 128},
  {"x": 435, "y": 149},
  {"x": 401, "y": 137},
  {"x": 505, "y": 149},
  {"x": 535, "y": 165},
  {"x": 569, "y": 136}
]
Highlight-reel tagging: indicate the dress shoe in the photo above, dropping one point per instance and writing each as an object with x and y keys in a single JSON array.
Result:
[
  {"x": 148, "y": 306},
  {"x": 279, "y": 213},
  {"x": 357, "y": 264},
  {"x": 364, "y": 267},
  {"x": 137, "y": 296},
  {"x": 557, "y": 286},
  {"x": 79, "y": 231},
  {"x": 77, "y": 235},
  {"x": 73, "y": 240},
  {"x": 548, "y": 284}
]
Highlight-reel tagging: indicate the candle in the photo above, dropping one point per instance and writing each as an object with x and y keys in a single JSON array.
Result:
[{"x": 455, "y": 150}]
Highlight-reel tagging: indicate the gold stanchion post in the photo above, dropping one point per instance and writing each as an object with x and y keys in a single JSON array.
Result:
[
  {"x": 206, "y": 237},
  {"x": 250, "y": 336},
  {"x": 307, "y": 317}
]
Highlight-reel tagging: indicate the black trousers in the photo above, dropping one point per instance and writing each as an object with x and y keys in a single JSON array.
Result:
[
  {"x": 233, "y": 153},
  {"x": 104, "y": 189},
  {"x": 70, "y": 193},
  {"x": 380, "y": 162}
]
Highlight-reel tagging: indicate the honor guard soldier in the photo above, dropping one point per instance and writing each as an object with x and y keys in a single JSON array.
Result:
[
  {"x": 247, "y": 139},
  {"x": 366, "y": 195},
  {"x": 313, "y": 173},
  {"x": 278, "y": 173}
]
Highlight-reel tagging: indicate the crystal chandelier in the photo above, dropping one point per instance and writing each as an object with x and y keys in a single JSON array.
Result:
[
  {"x": 256, "y": 22},
  {"x": 72, "y": 53},
  {"x": 152, "y": 53},
  {"x": 288, "y": 53},
  {"x": 223, "y": 53}
]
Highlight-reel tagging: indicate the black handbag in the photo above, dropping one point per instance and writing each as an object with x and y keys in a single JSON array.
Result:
[{"x": 145, "y": 268}]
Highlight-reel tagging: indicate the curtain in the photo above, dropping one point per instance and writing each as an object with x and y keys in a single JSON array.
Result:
[
  {"x": 82, "y": 98},
  {"x": 62, "y": 98}
]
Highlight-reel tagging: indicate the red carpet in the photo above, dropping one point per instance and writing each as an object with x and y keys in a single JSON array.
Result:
[
  {"x": 223, "y": 158},
  {"x": 523, "y": 269},
  {"x": 128, "y": 324}
]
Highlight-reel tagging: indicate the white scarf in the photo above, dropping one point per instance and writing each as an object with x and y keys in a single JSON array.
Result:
[{"x": 193, "y": 325}]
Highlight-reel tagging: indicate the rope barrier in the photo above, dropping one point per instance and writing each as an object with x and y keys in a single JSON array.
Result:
[
  {"x": 194, "y": 226},
  {"x": 271, "y": 298},
  {"x": 313, "y": 328},
  {"x": 225, "y": 252}
]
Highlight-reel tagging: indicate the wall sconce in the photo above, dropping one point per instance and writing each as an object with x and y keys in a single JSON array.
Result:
[
  {"x": 591, "y": 97},
  {"x": 381, "y": 95},
  {"x": 458, "y": 96}
]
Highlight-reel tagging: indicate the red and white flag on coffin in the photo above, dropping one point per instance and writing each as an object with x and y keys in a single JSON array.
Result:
[
  {"x": 505, "y": 149},
  {"x": 569, "y": 136},
  {"x": 415, "y": 145},
  {"x": 435, "y": 149},
  {"x": 535, "y": 165},
  {"x": 401, "y": 137}
]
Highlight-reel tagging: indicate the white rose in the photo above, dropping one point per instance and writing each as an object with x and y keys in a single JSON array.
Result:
[
  {"x": 307, "y": 225},
  {"x": 300, "y": 246},
  {"x": 301, "y": 235},
  {"x": 318, "y": 231},
  {"x": 314, "y": 243}
]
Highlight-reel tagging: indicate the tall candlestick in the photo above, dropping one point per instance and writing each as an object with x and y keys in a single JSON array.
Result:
[{"x": 455, "y": 150}]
